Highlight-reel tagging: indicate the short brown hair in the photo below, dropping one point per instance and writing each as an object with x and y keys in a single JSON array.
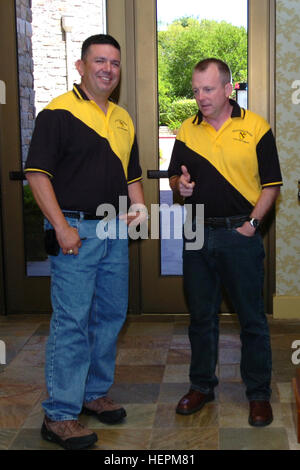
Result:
[
  {"x": 98, "y": 39},
  {"x": 223, "y": 68}
]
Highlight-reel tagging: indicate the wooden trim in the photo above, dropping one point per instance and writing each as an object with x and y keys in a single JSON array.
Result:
[
  {"x": 261, "y": 63},
  {"x": 296, "y": 387},
  {"x": 124, "y": 32},
  {"x": 286, "y": 306}
]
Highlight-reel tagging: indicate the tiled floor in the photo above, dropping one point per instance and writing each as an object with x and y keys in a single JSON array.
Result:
[{"x": 151, "y": 376}]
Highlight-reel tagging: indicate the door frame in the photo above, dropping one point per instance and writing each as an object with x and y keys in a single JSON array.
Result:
[
  {"x": 133, "y": 22},
  {"x": 21, "y": 292},
  {"x": 129, "y": 22}
]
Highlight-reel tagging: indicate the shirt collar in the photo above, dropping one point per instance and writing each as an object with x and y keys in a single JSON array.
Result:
[
  {"x": 237, "y": 111},
  {"x": 79, "y": 93}
]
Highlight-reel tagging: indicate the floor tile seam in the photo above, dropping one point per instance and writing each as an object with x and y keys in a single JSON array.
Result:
[
  {"x": 15, "y": 368},
  {"x": 19, "y": 429},
  {"x": 254, "y": 429},
  {"x": 14, "y": 440},
  {"x": 176, "y": 430},
  {"x": 245, "y": 425},
  {"x": 35, "y": 388},
  {"x": 20, "y": 349},
  {"x": 133, "y": 351},
  {"x": 125, "y": 348},
  {"x": 136, "y": 364},
  {"x": 190, "y": 428},
  {"x": 266, "y": 431}
]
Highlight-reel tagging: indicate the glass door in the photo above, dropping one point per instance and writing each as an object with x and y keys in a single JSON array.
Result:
[
  {"x": 186, "y": 33},
  {"x": 151, "y": 28},
  {"x": 39, "y": 46},
  {"x": 22, "y": 294},
  {"x": 156, "y": 282}
]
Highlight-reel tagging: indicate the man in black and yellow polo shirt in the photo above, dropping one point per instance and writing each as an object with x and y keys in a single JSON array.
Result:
[
  {"x": 225, "y": 158},
  {"x": 83, "y": 155}
]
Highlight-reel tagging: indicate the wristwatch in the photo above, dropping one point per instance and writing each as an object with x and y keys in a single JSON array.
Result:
[{"x": 254, "y": 222}]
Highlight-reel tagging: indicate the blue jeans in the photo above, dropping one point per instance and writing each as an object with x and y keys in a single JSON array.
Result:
[
  {"x": 89, "y": 294},
  {"x": 235, "y": 261}
]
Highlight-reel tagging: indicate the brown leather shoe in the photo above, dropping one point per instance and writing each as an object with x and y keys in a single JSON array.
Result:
[
  {"x": 260, "y": 413},
  {"x": 193, "y": 401},
  {"x": 105, "y": 409},
  {"x": 71, "y": 435}
]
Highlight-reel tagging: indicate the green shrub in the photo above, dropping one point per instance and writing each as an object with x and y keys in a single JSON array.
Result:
[
  {"x": 179, "y": 111},
  {"x": 165, "y": 104},
  {"x": 33, "y": 225}
]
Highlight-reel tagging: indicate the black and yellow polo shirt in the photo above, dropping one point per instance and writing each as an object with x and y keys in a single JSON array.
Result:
[
  {"x": 229, "y": 166},
  {"x": 89, "y": 156}
]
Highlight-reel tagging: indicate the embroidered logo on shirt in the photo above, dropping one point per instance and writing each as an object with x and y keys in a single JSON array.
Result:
[
  {"x": 121, "y": 125},
  {"x": 242, "y": 136}
]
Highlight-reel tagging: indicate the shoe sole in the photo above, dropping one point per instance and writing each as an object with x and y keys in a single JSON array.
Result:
[
  {"x": 106, "y": 416},
  {"x": 259, "y": 424},
  {"x": 73, "y": 443},
  {"x": 194, "y": 410}
]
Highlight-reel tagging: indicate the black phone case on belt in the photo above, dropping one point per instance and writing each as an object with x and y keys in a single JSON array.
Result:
[{"x": 51, "y": 244}]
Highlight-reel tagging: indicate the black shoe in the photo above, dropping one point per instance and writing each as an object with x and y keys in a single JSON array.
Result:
[
  {"x": 193, "y": 401},
  {"x": 260, "y": 413}
]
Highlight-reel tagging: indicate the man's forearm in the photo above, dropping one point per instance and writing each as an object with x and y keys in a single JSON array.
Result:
[
  {"x": 67, "y": 236},
  {"x": 45, "y": 197},
  {"x": 265, "y": 202},
  {"x": 262, "y": 207},
  {"x": 136, "y": 193}
]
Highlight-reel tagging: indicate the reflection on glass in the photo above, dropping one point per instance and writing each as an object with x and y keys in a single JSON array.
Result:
[
  {"x": 36, "y": 257},
  {"x": 49, "y": 35},
  {"x": 188, "y": 32}
]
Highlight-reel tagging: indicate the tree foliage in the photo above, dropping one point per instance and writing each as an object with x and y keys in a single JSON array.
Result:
[{"x": 186, "y": 42}]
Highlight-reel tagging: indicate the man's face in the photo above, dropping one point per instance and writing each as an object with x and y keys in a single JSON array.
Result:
[
  {"x": 210, "y": 92},
  {"x": 100, "y": 70}
]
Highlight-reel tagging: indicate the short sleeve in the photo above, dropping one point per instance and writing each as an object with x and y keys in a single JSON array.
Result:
[
  {"x": 134, "y": 170},
  {"x": 268, "y": 161},
  {"x": 45, "y": 147}
]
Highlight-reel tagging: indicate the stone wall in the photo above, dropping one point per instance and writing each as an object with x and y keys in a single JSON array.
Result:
[
  {"x": 49, "y": 42},
  {"x": 26, "y": 91},
  {"x": 43, "y": 54}
]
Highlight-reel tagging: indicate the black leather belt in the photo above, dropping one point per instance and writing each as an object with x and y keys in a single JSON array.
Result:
[
  {"x": 228, "y": 222},
  {"x": 86, "y": 215}
]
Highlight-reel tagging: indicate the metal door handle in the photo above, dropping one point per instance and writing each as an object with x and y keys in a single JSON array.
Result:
[
  {"x": 157, "y": 174},
  {"x": 17, "y": 176}
]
